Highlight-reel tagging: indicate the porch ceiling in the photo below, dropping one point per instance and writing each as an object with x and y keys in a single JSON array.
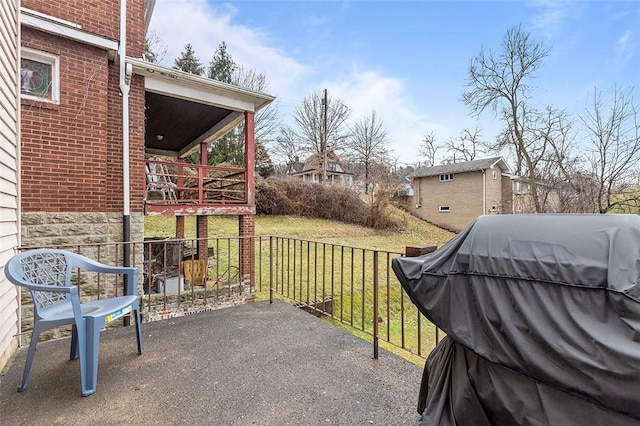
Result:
[
  {"x": 172, "y": 123},
  {"x": 183, "y": 110}
]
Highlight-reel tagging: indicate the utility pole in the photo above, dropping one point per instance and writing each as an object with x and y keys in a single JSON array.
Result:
[{"x": 324, "y": 138}]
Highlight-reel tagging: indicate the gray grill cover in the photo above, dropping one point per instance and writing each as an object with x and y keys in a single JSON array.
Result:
[{"x": 542, "y": 314}]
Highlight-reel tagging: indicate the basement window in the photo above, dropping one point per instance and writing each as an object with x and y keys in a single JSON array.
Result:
[
  {"x": 446, "y": 177},
  {"x": 39, "y": 76},
  {"x": 443, "y": 209}
]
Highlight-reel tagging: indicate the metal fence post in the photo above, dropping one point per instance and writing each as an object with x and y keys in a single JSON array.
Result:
[
  {"x": 375, "y": 304},
  {"x": 270, "y": 269}
]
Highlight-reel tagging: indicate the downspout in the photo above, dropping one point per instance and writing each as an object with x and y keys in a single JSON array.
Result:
[
  {"x": 125, "y": 80},
  {"x": 484, "y": 192}
]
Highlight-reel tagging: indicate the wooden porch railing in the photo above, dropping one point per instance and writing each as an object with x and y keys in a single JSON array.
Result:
[{"x": 174, "y": 183}]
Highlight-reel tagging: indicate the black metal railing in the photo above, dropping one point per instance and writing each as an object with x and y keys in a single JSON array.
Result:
[{"x": 354, "y": 288}]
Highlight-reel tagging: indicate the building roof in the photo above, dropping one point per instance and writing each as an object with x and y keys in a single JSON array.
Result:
[
  {"x": 314, "y": 164},
  {"x": 467, "y": 166}
]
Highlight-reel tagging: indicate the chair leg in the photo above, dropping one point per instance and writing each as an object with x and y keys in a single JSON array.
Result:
[
  {"x": 29, "y": 361},
  {"x": 75, "y": 353},
  {"x": 136, "y": 313},
  {"x": 89, "y": 369}
]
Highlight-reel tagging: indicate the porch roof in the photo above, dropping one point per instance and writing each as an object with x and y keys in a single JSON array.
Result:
[
  {"x": 183, "y": 109},
  {"x": 260, "y": 363}
]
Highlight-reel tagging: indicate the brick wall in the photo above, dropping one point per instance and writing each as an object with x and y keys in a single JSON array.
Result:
[
  {"x": 72, "y": 152},
  {"x": 463, "y": 196},
  {"x": 494, "y": 191},
  {"x": 64, "y": 149},
  {"x": 98, "y": 17}
]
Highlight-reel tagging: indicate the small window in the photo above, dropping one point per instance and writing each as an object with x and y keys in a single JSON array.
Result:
[
  {"x": 446, "y": 177},
  {"x": 443, "y": 209},
  {"x": 494, "y": 175},
  {"x": 494, "y": 208},
  {"x": 39, "y": 76}
]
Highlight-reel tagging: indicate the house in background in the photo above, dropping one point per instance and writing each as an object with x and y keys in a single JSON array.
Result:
[
  {"x": 517, "y": 198},
  {"x": 453, "y": 195},
  {"x": 312, "y": 171}
]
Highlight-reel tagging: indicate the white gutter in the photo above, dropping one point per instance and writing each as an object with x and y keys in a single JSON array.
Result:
[
  {"x": 125, "y": 82},
  {"x": 124, "y": 88},
  {"x": 52, "y": 25}
]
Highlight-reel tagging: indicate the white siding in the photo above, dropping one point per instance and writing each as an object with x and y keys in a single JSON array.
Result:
[{"x": 9, "y": 137}]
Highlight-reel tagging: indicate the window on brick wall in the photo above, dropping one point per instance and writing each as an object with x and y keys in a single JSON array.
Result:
[
  {"x": 446, "y": 177},
  {"x": 39, "y": 76},
  {"x": 444, "y": 209}
]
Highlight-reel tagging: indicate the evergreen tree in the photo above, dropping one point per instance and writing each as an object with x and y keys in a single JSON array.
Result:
[
  {"x": 222, "y": 66},
  {"x": 188, "y": 61}
]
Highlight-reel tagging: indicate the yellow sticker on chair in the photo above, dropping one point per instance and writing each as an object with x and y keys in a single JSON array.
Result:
[{"x": 117, "y": 314}]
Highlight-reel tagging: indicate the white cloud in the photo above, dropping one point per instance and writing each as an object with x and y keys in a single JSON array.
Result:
[
  {"x": 625, "y": 47},
  {"x": 206, "y": 25},
  {"x": 367, "y": 90}
]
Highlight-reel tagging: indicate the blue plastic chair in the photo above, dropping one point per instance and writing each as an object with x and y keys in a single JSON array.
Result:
[{"x": 47, "y": 274}]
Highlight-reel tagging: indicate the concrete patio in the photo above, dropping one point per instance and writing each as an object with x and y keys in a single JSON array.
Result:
[{"x": 256, "y": 364}]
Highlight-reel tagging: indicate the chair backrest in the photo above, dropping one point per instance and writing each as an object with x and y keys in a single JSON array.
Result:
[
  {"x": 195, "y": 271},
  {"x": 43, "y": 267}
]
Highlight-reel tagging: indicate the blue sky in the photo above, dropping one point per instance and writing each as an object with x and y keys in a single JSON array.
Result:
[{"x": 408, "y": 60}]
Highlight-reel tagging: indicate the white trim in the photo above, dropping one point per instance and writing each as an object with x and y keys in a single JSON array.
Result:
[
  {"x": 59, "y": 27},
  {"x": 191, "y": 87},
  {"x": 48, "y": 59}
]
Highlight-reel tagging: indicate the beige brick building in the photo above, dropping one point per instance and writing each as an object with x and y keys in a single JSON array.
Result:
[{"x": 453, "y": 195}]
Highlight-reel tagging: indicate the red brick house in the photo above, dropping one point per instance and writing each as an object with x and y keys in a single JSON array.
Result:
[{"x": 92, "y": 111}]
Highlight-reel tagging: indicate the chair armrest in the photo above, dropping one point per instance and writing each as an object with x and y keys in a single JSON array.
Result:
[
  {"x": 130, "y": 272},
  {"x": 48, "y": 288}
]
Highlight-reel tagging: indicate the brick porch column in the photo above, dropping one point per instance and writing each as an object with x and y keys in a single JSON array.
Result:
[
  {"x": 202, "y": 231},
  {"x": 247, "y": 230},
  {"x": 180, "y": 227}
]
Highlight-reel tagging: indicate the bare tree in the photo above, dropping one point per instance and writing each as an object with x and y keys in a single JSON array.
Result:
[
  {"x": 614, "y": 133},
  {"x": 155, "y": 49},
  {"x": 368, "y": 145},
  {"x": 465, "y": 147},
  {"x": 501, "y": 82},
  {"x": 310, "y": 117},
  {"x": 266, "y": 119},
  {"x": 428, "y": 148},
  {"x": 286, "y": 147}
]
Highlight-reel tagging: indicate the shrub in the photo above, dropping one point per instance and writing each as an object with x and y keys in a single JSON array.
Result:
[{"x": 291, "y": 196}]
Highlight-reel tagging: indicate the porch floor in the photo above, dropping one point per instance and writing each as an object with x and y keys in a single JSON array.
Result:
[{"x": 256, "y": 364}]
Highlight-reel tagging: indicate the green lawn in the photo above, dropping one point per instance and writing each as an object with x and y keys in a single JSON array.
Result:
[
  {"x": 415, "y": 231},
  {"x": 303, "y": 271}
]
